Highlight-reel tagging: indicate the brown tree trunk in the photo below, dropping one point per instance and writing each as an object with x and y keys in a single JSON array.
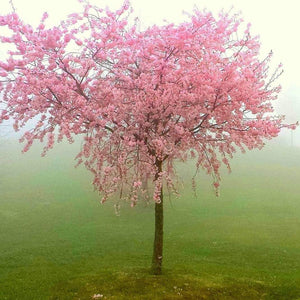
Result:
[{"x": 158, "y": 236}]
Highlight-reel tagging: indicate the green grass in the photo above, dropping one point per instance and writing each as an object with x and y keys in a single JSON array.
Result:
[{"x": 58, "y": 242}]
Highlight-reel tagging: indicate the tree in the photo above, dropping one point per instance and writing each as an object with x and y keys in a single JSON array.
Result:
[{"x": 140, "y": 98}]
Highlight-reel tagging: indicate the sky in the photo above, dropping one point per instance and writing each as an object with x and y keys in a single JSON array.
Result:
[{"x": 276, "y": 22}]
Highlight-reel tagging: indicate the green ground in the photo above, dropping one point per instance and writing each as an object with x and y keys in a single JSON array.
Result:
[{"x": 58, "y": 242}]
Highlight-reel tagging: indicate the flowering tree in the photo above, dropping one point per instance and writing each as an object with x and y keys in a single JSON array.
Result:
[{"x": 141, "y": 98}]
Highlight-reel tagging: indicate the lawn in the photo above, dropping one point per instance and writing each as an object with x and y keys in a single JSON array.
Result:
[{"x": 58, "y": 242}]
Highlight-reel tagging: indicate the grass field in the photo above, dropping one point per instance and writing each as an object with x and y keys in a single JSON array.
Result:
[{"x": 58, "y": 242}]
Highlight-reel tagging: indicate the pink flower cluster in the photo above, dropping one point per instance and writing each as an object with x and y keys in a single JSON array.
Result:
[{"x": 141, "y": 98}]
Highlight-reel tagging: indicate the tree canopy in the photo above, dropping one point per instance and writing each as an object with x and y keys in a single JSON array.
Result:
[{"x": 139, "y": 97}]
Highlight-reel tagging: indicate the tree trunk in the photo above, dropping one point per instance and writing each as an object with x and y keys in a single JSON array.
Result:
[{"x": 158, "y": 237}]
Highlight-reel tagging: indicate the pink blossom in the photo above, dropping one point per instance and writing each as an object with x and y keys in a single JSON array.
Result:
[
  {"x": 137, "y": 184},
  {"x": 142, "y": 99}
]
